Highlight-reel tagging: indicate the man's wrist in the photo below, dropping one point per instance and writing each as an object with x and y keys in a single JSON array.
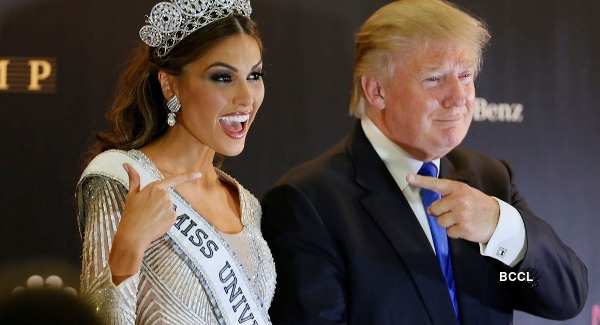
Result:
[{"x": 508, "y": 242}]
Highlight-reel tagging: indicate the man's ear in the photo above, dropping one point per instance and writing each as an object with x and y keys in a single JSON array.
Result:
[
  {"x": 373, "y": 90},
  {"x": 168, "y": 84}
]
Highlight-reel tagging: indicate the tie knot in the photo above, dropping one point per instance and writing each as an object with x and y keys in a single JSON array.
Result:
[{"x": 428, "y": 169}]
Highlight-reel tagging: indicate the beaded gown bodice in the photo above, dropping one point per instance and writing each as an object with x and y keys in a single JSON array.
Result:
[{"x": 165, "y": 290}]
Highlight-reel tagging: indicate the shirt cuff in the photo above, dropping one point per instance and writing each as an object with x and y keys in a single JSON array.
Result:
[{"x": 508, "y": 242}]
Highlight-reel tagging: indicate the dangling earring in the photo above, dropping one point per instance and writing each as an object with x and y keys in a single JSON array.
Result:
[{"x": 173, "y": 105}]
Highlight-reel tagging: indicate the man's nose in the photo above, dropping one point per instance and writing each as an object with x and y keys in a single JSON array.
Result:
[{"x": 456, "y": 95}]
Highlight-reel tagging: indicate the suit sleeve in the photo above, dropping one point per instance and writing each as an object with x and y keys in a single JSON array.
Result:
[
  {"x": 560, "y": 286},
  {"x": 310, "y": 276}
]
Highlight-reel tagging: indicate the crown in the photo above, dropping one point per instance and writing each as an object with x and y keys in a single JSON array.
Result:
[{"x": 171, "y": 21}]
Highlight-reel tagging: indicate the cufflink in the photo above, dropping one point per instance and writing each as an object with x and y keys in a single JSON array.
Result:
[{"x": 501, "y": 251}]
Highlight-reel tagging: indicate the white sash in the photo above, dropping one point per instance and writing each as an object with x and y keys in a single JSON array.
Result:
[{"x": 228, "y": 288}]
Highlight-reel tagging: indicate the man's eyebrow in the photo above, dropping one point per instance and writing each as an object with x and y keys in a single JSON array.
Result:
[
  {"x": 445, "y": 68},
  {"x": 434, "y": 68}
]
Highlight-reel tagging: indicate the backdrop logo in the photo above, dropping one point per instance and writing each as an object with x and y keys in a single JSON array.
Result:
[
  {"x": 497, "y": 112},
  {"x": 27, "y": 75}
]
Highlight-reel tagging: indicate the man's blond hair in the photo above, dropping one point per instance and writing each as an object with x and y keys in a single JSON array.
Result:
[{"x": 401, "y": 27}]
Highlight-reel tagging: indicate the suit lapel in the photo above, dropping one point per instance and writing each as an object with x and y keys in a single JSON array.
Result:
[
  {"x": 469, "y": 267},
  {"x": 387, "y": 206}
]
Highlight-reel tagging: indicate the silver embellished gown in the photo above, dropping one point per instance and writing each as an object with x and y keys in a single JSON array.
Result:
[{"x": 165, "y": 291}]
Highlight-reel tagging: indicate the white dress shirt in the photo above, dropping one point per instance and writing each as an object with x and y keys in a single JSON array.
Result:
[{"x": 508, "y": 242}]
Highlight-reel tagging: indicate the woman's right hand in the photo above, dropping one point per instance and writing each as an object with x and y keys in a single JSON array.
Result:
[{"x": 148, "y": 215}]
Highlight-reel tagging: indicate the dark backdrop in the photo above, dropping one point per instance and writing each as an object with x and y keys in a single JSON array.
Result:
[{"x": 543, "y": 60}]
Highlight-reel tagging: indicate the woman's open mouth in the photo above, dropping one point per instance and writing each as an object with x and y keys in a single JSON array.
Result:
[{"x": 235, "y": 124}]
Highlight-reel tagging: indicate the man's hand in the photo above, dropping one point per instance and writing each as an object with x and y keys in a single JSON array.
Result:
[{"x": 464, "y": 211}]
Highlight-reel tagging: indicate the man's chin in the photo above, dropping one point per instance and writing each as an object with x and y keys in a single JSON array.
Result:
[
  {"x": 453, "y": 137},
  {"x": 445, "y": 146},
  {"x": 438, "y": 154}
]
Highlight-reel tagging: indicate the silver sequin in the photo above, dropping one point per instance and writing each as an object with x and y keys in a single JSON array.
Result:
[{"x": 166, "y": 290}]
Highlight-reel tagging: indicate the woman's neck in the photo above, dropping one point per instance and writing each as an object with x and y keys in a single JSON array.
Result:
[{"x": 179, "y": 152}]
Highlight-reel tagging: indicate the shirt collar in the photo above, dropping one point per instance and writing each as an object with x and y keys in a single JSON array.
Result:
[{"x": 398, "y": 162}]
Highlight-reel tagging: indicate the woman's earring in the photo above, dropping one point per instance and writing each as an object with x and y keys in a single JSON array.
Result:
[{"x": 173, "y": 105}]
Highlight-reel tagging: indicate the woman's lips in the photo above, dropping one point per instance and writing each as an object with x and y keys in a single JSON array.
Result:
[{"x": 234, "y": 125}]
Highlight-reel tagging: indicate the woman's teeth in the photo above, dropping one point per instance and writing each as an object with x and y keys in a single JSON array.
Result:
[
  {"x": 233, "y": 125},
  {"x": 235, "y": 118}
]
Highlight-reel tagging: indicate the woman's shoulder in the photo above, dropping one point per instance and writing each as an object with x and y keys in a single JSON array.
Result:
[
  {"x": 99, "y": 177},
  {"x": 249, "y": 204},
  {"x": 107, "y": 154},
  {"x": 98, "y": 183},
  {"x": 107, "y": 166}
]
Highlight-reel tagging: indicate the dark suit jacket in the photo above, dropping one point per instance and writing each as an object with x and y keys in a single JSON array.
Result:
[{"x": 349, "y": 250}]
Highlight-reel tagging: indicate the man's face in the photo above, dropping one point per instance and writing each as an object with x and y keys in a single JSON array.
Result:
[{"x": 429, "y": 100}]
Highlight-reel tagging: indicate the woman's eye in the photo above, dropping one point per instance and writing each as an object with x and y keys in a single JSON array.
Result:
[
  {"x": 221, "y": 77},
  {"x": 256, "y": 76}
]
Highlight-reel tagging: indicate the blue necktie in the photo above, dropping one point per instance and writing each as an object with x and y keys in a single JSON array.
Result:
[{"x": 440, "y": 239}]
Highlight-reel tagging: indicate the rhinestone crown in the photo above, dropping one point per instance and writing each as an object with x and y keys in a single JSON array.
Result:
[{"x": 171, "y": 21}]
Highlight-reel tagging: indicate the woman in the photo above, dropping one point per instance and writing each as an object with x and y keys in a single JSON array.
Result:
[{"x": 167, "y": 236}]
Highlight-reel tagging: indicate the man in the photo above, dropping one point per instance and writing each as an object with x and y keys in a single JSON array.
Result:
[{"x": 396, "y": 225}]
